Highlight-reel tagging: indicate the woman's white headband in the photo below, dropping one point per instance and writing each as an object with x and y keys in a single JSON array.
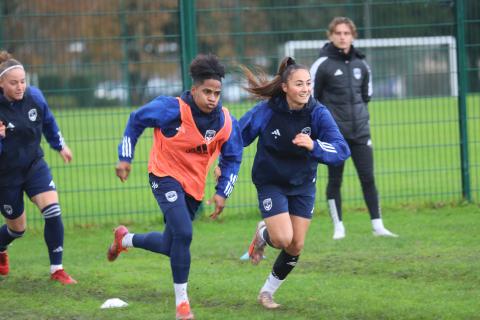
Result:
[{"x": 10, "y": 68}]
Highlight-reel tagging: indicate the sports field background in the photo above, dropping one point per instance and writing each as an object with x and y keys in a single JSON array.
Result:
[
  {"x": 96, "y": 61},
  {"x": 416, "y": 161}
]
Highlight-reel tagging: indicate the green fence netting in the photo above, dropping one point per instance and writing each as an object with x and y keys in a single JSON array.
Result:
[{"x": 98, "y": 60}]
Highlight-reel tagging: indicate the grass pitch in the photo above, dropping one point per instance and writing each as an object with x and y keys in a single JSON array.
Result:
[{"x": 431, "y": 272}]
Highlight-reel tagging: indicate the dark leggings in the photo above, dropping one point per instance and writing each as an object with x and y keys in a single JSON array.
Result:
[
  {"x": 362, "y": 156},
  {"x": 179, "y": 210}
]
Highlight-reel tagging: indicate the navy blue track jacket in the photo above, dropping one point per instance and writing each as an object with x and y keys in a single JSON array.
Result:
[
  {"x": 164, "y": 112},
  {"x": 278, "y": 161},
  {"x": 26, "y": 120}
]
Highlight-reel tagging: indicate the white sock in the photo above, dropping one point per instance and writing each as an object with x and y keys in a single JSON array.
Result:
[
  {"x": 261, "y": 232},
  {"x": 55, "y": 267},
  {"x": 333, "y": 211},
  {"x": 339, "y": 225},
  {"x": 180, "y": 292},
  {"x": 377, "y": 224},
  {"x": 127, "y": 240},
  {"x": 272, "y": 284}
]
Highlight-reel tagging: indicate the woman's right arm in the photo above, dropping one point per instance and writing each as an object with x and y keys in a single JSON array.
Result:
[
  {"x": 330, "y": 146},
  {"x": 154, "y": 114}
]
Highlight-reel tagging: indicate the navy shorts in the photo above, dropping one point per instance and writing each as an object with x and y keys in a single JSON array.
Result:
[
  {"x": 169, "y": 194},
  {"x": 35, "y": 180},
  {"x": 298, "y": 201}
]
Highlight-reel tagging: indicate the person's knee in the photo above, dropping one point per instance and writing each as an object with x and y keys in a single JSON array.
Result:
[
  {"x": 15, "y": 233},
  {"x": 18, "y": 225},
  {"x": 367, "y": 180},
  {"x": 335, "y": 182},
  {"x": 295, "y": 248},
  {"x": 184, "y": 235},
  {"x": 333, "y": 187},
  {"x": 281, "y": 241}
]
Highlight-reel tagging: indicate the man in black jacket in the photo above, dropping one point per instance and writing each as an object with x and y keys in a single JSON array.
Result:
[{"x": 342, "y": 82}]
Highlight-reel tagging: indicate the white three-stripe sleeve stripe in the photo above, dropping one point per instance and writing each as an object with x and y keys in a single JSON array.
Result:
[
  {"x": 123, "y": 147},
  {"x": 370, "y": 82},
  {"x": 313, "y": 71},
  {"x": 61, "y": 140},
  {"x": 230, "y": 184},
  {"x": 126, "y": 147},
  {"x": 326, "y": 146}
]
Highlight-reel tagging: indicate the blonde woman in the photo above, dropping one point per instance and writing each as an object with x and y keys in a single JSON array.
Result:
[{"x": 24, "y": 117}]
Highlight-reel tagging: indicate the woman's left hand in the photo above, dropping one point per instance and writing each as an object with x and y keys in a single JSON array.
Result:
[
  {"x": 217, "y": 172},
  {"x": 66, "y": 154},
  {"x": 303, "y": 140},
  {"x": 3, "y": 129},
  {"x": 219, "y": 203}
]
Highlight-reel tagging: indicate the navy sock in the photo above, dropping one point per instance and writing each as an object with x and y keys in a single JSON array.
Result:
[
  {"x": 7, "y": 236},
  {"x": 153, "y": 241},
  {"x": 53, "y": 232},
  {"x": 283, "y": 265}
]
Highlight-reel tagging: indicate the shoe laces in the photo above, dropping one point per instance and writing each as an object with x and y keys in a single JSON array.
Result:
[
  {"x": 266, "y": 299},
  {"x": 119, "y": 235},
  {"x": 62, "y": 276}
]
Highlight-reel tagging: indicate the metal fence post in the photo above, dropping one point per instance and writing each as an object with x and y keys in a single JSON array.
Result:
[
  {"x": 462, "y": 102},
  {"x": 188, "y": 38},
  {"x": 125, "y": 58}
]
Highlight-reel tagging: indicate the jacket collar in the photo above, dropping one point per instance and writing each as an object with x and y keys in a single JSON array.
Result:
[{"x": 333, "y": 52}]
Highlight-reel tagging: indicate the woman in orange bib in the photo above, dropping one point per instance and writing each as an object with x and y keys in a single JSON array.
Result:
[{"x": 189, "y": 133}]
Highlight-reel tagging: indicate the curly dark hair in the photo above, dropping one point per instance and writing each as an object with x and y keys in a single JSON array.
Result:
[{"x": 206, "y": 66}]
